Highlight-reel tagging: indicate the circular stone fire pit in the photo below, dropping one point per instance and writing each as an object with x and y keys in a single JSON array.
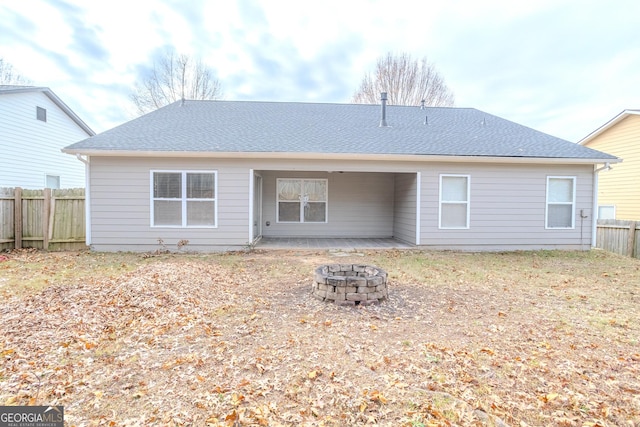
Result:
[{"x": 350, "y": 284}]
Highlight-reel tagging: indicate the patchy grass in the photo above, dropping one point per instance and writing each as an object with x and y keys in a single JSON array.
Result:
[{"x": 523, "y": 338}]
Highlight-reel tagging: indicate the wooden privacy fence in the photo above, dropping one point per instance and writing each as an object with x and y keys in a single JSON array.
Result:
[
  {"x": 621, "y": 237},
  {"x": 55, "y": 220},
  {"x": 43, "y": 219}
]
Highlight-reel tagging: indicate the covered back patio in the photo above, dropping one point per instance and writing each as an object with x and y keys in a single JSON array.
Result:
[{"x": 335, "y": 209}]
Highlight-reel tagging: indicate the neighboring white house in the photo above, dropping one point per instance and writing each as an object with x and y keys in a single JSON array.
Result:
[
  {"x": 224, "y": 174},
  {"x": 34, "y": 126}
]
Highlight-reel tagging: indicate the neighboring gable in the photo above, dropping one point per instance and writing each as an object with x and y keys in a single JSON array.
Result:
[
  {"x": 619, "y": 186},
  {"x": 34, "y": 126}
]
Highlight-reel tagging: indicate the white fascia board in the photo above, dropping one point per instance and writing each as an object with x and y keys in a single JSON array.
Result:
[
  {"x": 340, "y": 156},
  {"x": 68, "y": 111},
  {"x": 609, "y": 124}
]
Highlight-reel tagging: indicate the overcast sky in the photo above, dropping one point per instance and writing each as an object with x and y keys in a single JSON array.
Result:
[{"x": 564, "y": 67}]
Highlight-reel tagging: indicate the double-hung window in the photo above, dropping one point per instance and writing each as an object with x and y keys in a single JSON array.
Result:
[
  {"x": 454, "y": 201},
  {"x": 184, "y": 199},
  {"x": 561, "y": 201},
  {"x": 302, "y": 200}
]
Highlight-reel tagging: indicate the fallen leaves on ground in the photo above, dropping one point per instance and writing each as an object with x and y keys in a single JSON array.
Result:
[{"x": 235, "y": 340}]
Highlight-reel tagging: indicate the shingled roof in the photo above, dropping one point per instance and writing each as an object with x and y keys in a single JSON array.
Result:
[{"x": 289, "y": 127}]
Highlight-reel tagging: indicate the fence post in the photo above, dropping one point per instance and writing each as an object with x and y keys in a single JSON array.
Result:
[
  {"x": 17, "y": 218},
  {"x": 631, "y": 239},
  {"x": 51, "y": 219},
  {"x": 46, "y": 208}
]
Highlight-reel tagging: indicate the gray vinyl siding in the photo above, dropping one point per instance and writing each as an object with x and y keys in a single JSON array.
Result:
[
  {"x": 359, "y": 205},
  {"x": 507, "y": 205},
  {"x": 404, "y": 212},
  {"x": 365, "y": 199},
  {"x": 120, "y": 206}
]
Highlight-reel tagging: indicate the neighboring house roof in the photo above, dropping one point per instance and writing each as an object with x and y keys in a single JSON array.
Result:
[
  {"x": 217, "y": 127},
  {"x": 9, "y": 89},
  {"x": 609, "y": 124}
]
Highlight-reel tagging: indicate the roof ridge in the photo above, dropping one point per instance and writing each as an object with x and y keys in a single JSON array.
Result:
[{"x": 253, "y": 101}]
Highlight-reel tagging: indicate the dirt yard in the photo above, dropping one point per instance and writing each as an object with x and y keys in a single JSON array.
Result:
[{"x": 518, "y": 339}]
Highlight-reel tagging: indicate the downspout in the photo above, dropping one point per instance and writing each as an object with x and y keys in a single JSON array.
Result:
[
  {"x": 418, "y": 201},
  {"x": 252, "y": 190},
  {"x": 87, "y": 198},
  {"x": 594, "y": 211}
]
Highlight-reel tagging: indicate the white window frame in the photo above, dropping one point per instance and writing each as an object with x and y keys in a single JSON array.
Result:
[
  {"x": 607, "y": 206},
  {"x": 572, "y": 203},
  {"x": 449, "y": 202},
  {"x": 302, "y": 221},
  {"x": 47, "y": 176},
  {"x": 184, "y": 198}
]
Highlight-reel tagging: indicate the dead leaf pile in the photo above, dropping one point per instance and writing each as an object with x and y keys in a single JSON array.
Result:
[{"x": 238, "y": 340}]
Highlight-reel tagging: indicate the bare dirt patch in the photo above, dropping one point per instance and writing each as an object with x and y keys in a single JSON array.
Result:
[{"x": 531, "y": 338}]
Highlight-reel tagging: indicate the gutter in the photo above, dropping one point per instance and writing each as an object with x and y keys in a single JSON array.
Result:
[{"x": 342, "y": 156}]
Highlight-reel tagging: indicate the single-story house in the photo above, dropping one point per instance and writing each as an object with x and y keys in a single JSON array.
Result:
[
  {"x": 34, "y": 126},
  {"x": 618, "y": 189},
  {"x": 224, "y": 174}
]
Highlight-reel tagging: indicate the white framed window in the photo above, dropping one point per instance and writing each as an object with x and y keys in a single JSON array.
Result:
[
  {"x": 606, "y": 212},
  {"x": 454, "y": 201},
  {"x": 302, "y": 200},
  {"x": 184, "y": 199},
  {"x": 561, "y": 202},
  {"x": 52, "y": 181}
]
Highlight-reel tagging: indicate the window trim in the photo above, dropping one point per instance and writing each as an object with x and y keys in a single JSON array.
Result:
[
  {"x": 573, "y": 179},
  {"x": 302, "y": 221},
  {"x": 467, "y": 202},
  {"x": 183, "y": 198}
]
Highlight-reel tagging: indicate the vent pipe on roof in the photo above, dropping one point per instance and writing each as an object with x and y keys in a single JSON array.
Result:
[
  {"x": 426, "y": 120},
  {"x": 422, "y": 104},
  {"x": 383, "y": 119}
]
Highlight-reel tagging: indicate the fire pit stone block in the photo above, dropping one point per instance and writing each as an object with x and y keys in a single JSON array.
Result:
[{"x": 350, "y": 284}]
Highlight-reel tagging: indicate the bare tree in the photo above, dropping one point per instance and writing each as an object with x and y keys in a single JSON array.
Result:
[
  {"x": 8, "y": 76},
  {"x": 175, "y": 77},
  {"x": 407, "y": 81}
]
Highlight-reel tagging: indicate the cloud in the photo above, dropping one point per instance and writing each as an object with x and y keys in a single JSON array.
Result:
[
  {"x": 561, "y": 66},
  {"x": 84, "y": 40},
  {"x": 540, "y": 67}
]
